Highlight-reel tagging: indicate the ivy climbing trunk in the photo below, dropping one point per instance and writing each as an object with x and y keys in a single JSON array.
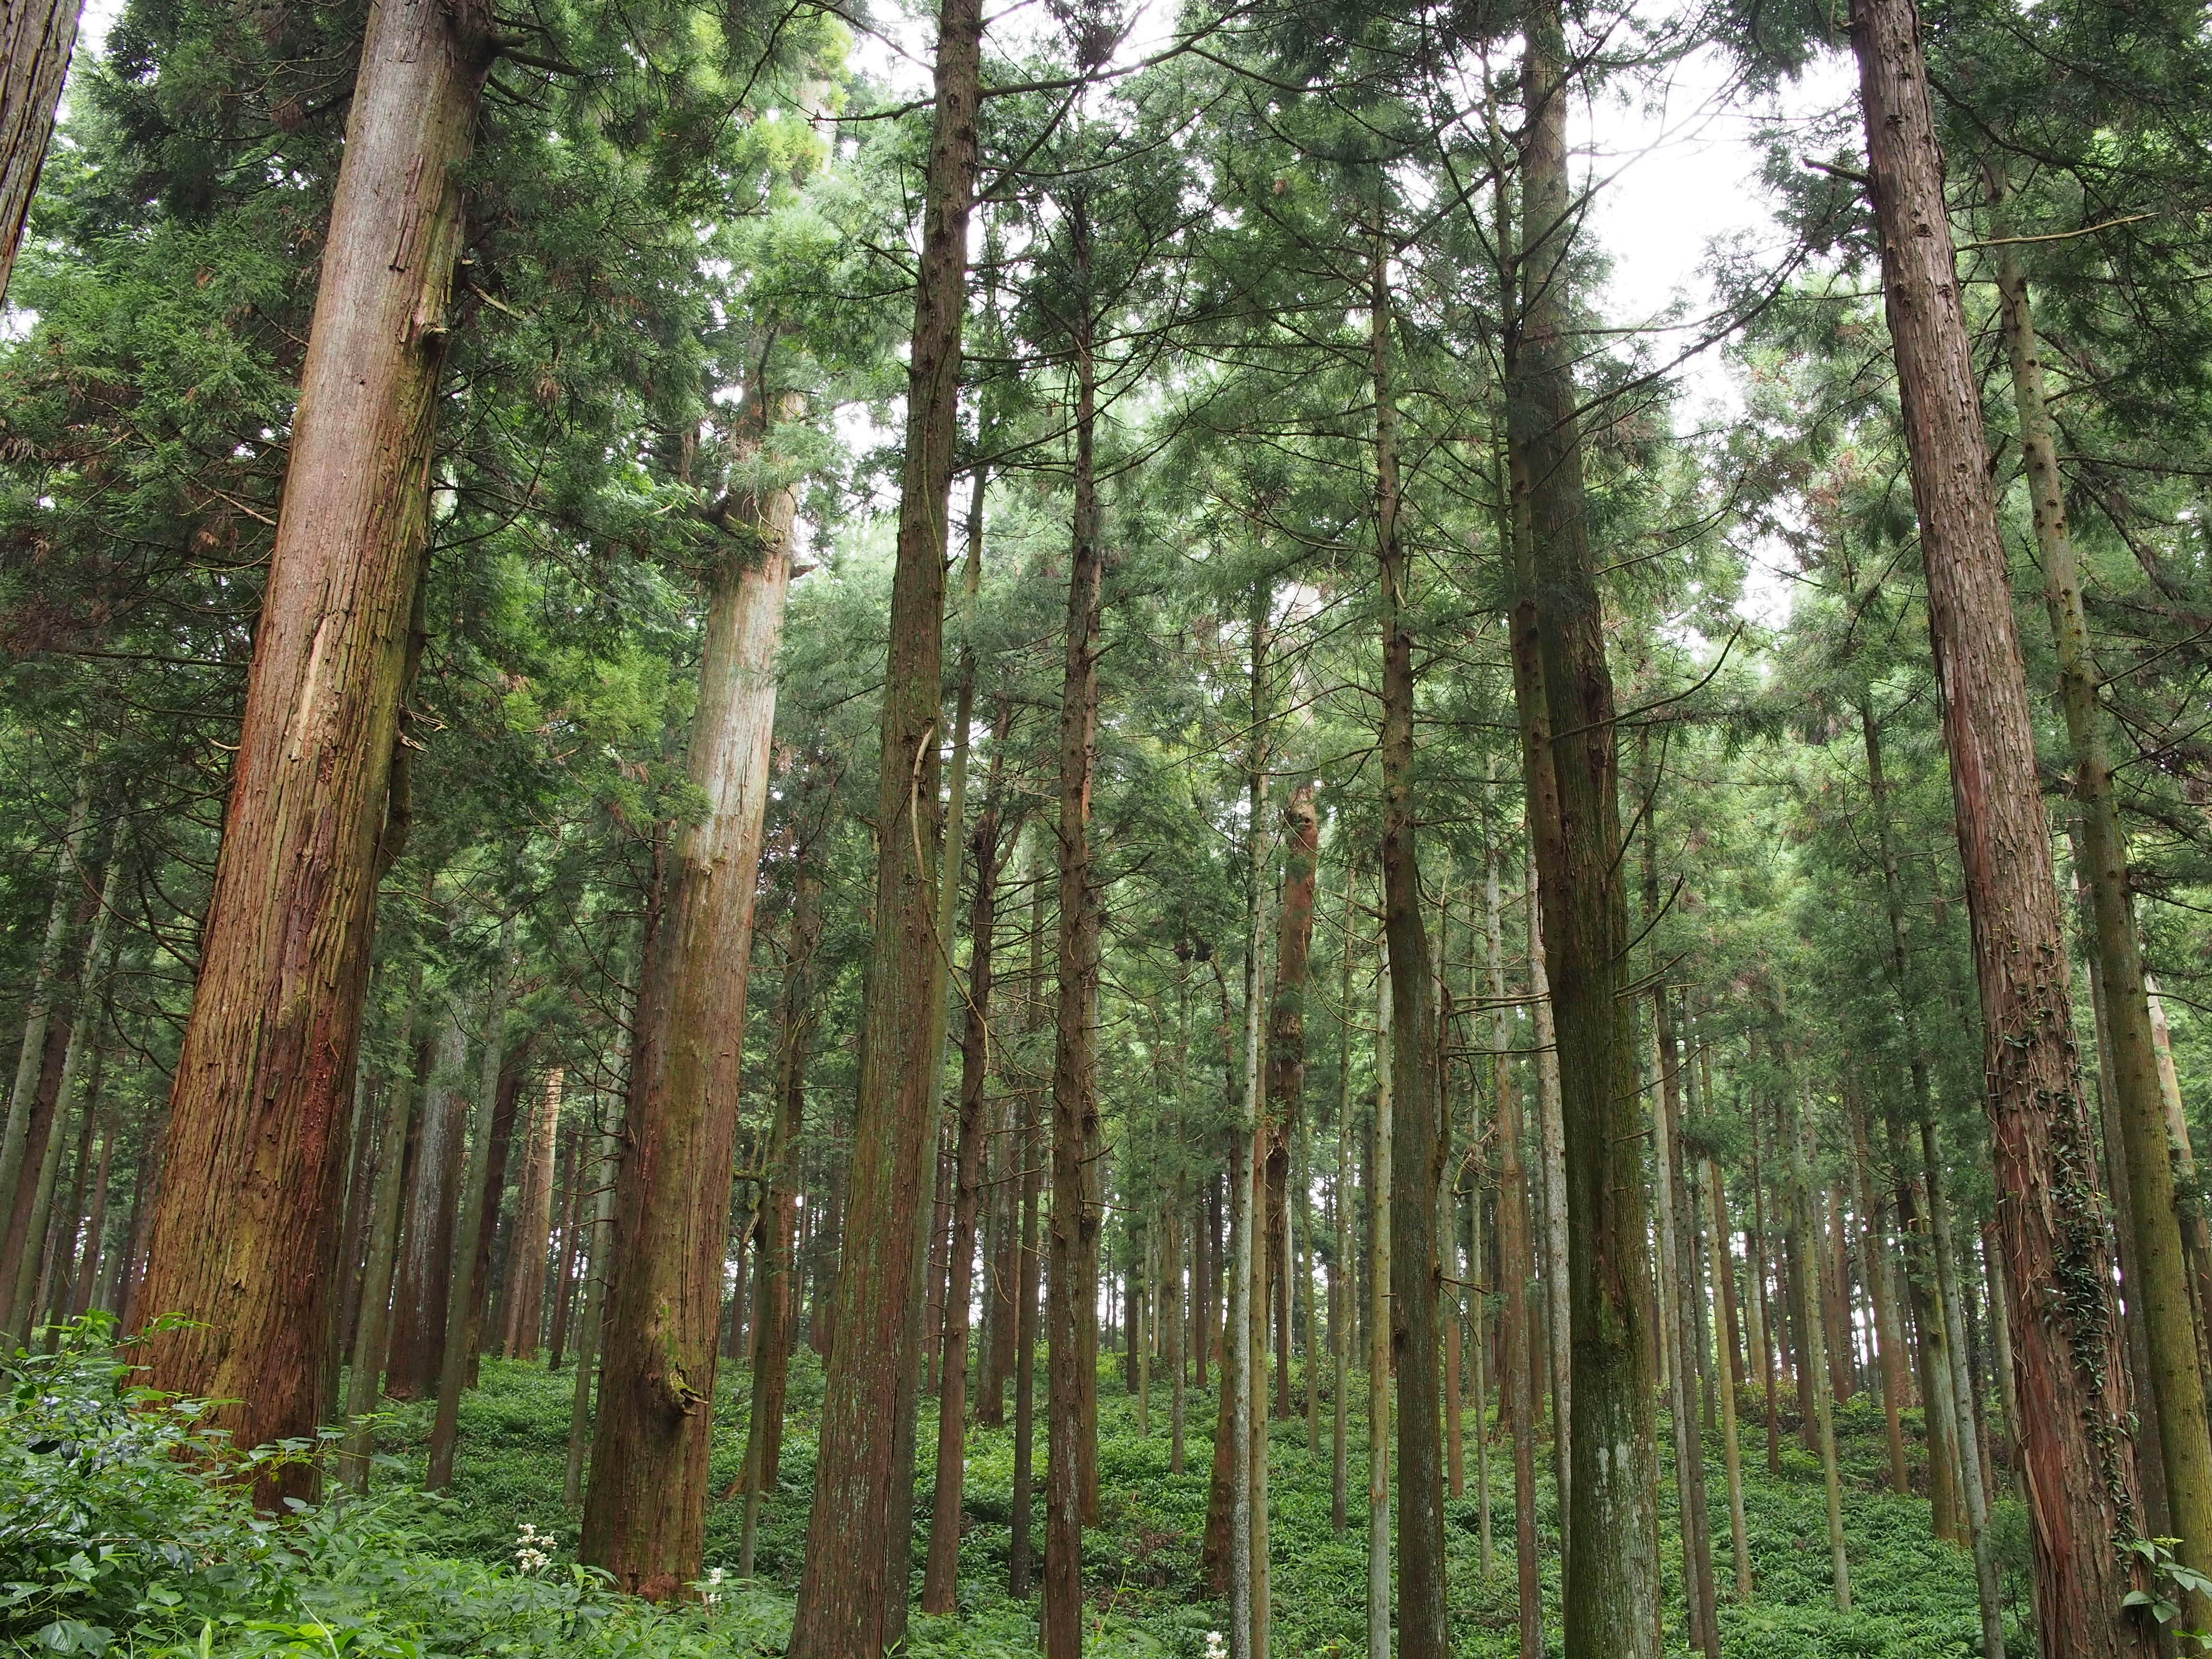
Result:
[
  {"x": 245, "y": 1232},
  {"x": 2073, "y": 1407}
]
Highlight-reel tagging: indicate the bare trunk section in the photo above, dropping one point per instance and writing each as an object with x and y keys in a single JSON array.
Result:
[
  {"x": 1381, "y": 1210},
  {"x": 941, "y": 1581},
  {"x": 36, "y": 39},
  {"x": 1611, "y": 1555},
  {"x": 775, "y": 1310},
  {"x": 1516, "y": 1269},
  {"x": 853, "y": 1596},
  {"x": 644, "y": 1512},
  {"x": 533, "y": 1224},
  {"x": 1071, "y": 1309},
  {"x": 479, "y": 1209},
  {"x": 2072, "y": 1409},
  {"x": 371, "y": 1334},
  {"x": 1417, "y": 1149},
  {"x": 418, "y": 1333},
  {"x": 245, "y": 1231}
]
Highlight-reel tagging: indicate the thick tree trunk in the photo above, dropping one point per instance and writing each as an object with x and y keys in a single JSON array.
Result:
[
  {"x": 36, "y": 39},
  {"x": 853, "y": 1596},
  {"x": 644, "y": 1512},
  {"x": 1611, "y": 1555},
  {"x": 2157, "y": 1261},
  {"x": 1889, "y": 1349},
  {"x": 245, "y": 1231},
  {"x": 2073, "y": 1415},
  {"x": 1072, "y": 1307}
]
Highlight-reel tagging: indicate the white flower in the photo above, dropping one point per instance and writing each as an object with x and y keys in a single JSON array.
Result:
[
  {"x": 528, "y": 1554},
  {"x": 1217, "y": 1645}
]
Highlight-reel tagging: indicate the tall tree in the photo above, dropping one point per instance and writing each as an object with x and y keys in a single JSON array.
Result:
[
  {"x": 852, "y": 1594},
  {"x": 2065, "y": 1337},
  {"x": 245, "y": 1230}
]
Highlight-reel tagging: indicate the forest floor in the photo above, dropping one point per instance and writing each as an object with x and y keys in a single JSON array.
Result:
[{"x": 1913, "y": 1596}]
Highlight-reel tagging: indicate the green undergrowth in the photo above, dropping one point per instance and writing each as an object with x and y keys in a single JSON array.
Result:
[{"x": 110, "y": 1541}]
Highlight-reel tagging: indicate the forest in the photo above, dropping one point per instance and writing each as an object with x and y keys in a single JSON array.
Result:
[{"x": 844, "y": 830}]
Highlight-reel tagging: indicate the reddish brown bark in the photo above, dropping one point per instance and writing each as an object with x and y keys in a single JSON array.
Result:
[
  {"x": 853, "y": 1596},
  {"x": 2072, "y": 1409},
  {"x": 245, "y": 1230},
  {"x": 533, "y": 1224},
  {"x": 36, "y": 39}
]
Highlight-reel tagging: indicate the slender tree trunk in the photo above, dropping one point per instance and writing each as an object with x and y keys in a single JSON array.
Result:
[
  {"x": 598, "y": 1269},
  {"x": 479, "y": 1209},
  {"x": 16, "y": 1148},
  {"x": 564, "y": 1271},
  {"x": 371, "y": 1334},
  {"x": 1028, "y": 1155},
  {"x": 255, "y": 1150},
  {"x": 1889, "y": 1351},
  {"x": 2065, "y": 1337},
  {"x": 775, "y": 1311},
  {"x": 1988, "y": 1591},
  {"x": 533, "y": 1224},
  {"x": 1417, "y": 1152},
  {"x": 1341, "y": 1285},
  {"x": 645, "y": 1513},
  {"x": 1381, "y": 1211},
  {"x": 418, "y": 1335},
  {"x": 1176, "y": 1327},
  {"x": 1072, "y": 1307},
  {"x": 1762, "y": 1305},
  {"x": 1675, "y": 1265},
  {"x": 941, "y": 1581},
  {"x": 1731, "y": 1446},
  {"x": 852, "y": 1595},
  {"x": 1612, "y": 1553},
  {"x": 84, "y": 1281},
  {"x": 1812, "y": 1360},
  {"x": 23, "y": 1301},
  {"x": 1517, "y": 1376}
]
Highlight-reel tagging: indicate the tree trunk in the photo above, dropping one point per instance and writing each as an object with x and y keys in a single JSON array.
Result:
[
  {"x": 478, "y": 1211},
  {"x": 36, "y": 39},
  {"x": 852, "y": 1597},
  {"x": 564, "y": 1264},
  {"x": 1889, "y": 1351},
  {"x": 644, "y": 1512},
  {"x": 1516, "y": 1269},
  {"x": 2065, "y": 1337},
  {"x": 1812, "y": 1359},
  {"x": 2157, "y": 1261},
  {"x": 245, "y": 1237},
  {"x": 1380, "y": 1214},
  {"x": 1612, "y": 1553},
  {"x": 598, "y": 1270},
  {"x": 371, "y": 1334},
  {"x": 1341, "y": 1279},
  {"x": 941, "y": 1581},
  {"x": 775, "y": 1312},
  {"x": 418, "y": 1332},
  {"x": 1418, "y": 1151},
  {"x": 20, "y": 1311},
  {"x": 533, "y": 1224},
  {"x": 1731, "y": 1447},
  {"x": 1030, "y": 1264},
  {"x": 1072, "y": 1307},
  {"x": 24, "y": 1098}
]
